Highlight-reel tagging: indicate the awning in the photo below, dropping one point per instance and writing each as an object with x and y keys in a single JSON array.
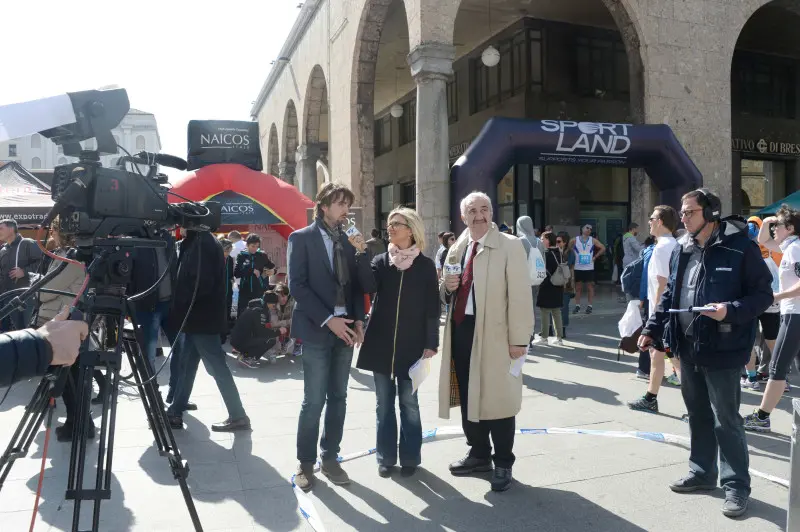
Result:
[
  {"x": 23, "y": 197},
  {"x": 792, "y": 200}
]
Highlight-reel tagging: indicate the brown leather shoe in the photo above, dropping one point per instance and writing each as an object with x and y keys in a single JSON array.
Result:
[
  {"x": 333, "y": 470},
  {"x": 232, "y": 425},
  {"x": 304, "y": 477}
]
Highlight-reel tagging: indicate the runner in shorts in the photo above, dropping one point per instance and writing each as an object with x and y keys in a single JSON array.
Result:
[
  {"x": 587, "y": 250},
  {"x": 786, "y": 224}
]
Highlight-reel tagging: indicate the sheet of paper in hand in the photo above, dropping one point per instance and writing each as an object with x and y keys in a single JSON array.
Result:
[{"x": 419, "y": 372}]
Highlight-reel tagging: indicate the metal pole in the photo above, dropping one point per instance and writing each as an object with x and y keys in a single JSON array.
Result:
[{"x": 793, "y": 514}]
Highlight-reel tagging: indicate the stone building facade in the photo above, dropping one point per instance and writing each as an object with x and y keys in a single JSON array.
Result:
[{"x": 723, "y": 74}]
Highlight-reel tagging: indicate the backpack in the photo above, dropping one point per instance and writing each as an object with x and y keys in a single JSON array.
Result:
[
  {"x": 562, "y": 274},
  {"x": 632, "y": 277},
  {"x": 537, "y": 271}
]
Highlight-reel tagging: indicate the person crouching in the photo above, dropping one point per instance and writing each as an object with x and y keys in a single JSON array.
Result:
[{"x": 253, "y": 334}]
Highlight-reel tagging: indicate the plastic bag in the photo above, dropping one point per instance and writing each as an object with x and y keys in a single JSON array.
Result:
[
  {"x": 631, "y": 321},
  {"x": 615, "y": 274}
]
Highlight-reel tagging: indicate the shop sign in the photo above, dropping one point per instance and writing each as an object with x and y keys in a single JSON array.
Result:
[
  {"x": 457, "y": 150},
  {"x": 767, "y": 147}
]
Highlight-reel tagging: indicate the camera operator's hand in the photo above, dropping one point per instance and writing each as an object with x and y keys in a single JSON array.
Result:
[{"x": 65, "y": 337}]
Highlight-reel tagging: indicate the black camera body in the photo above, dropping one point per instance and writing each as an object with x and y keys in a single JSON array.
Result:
[{"x": 93, "y": 201}]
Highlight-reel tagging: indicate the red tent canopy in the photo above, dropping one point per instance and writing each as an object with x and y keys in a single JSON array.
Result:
[{"x": 248, "y": 197}]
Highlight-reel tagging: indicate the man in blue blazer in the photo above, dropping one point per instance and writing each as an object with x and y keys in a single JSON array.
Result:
[{"x": 324, "y": 271}]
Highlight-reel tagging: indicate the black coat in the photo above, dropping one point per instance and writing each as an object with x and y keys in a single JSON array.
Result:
[
  {"x": 23, "y": 354},
  {"x": 145, "y": 273},
  {"x": 551, "y": 296},
  {"x": 404, "y": 319},
  {"x": 201, "y": 254}
]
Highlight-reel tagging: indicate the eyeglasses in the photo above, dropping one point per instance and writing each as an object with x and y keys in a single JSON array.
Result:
[
  {"x": 395, "y": 225},
  {"x": 689, "y": 213}
]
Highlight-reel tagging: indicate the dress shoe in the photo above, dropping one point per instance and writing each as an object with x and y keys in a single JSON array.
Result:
[
  {"x": 190, "y": 406},
  {"x": 408, "y": 471},
  {"x": 232, "y": 425},
  {"x": 175, "y": 422},
  {"x": 501, "y": 479},
  {"x": 64, "y": 432},
  {"x": 384, "y": 471},
  {"x": 468, "y": 465}
]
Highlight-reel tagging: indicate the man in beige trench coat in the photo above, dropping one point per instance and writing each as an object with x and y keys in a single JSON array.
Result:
[{"x": 489, "y": 326}]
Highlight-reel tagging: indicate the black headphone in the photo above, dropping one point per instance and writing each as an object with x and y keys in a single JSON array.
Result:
[{"x": 712, "y": 206}]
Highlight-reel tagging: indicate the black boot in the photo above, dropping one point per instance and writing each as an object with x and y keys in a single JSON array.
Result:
[{"x": 564, "y": 333}]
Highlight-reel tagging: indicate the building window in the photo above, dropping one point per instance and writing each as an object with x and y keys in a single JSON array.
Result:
[
  {"x": 141, "y": 145},
  {"x": 385, "y": 205},
  {"x": 601, "y": 66},
  {"x": 410, "y": 195},
  {"x": 12, "y": 150},
  {"x": 36, "y": 163},
  {"x": 764, "y": 85},
  {"x": 520, "y": 66},
  {"x": 408, "y": 122},
  {"x": 383, "y": 135},
  {"x": 452, "y": 100},
  {"x": 505, "y": 200},
  {"x": 36, "y": 141},
  {"x": 60, "y": 148}
]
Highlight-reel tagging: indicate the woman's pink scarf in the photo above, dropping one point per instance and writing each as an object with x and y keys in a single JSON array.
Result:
[{"x": 402, "y": 258}]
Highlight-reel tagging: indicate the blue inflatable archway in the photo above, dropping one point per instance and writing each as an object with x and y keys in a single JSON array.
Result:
[{"x": 504, "y": 142}]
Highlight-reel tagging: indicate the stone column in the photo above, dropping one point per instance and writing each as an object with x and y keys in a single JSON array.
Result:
[
  {"x": 286, "y": 172},
  {"x": 307, "y": 157},
  {"x": 431, "y": 67}
]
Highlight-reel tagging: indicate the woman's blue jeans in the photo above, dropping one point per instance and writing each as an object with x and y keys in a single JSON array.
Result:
[{"x": 386, "y": 390}]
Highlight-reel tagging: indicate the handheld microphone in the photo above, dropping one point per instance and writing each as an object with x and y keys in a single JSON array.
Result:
[{"x": 162, "y": 159}]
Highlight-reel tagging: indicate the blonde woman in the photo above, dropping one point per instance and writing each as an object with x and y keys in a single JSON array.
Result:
[{"x": 403, "y": 327}]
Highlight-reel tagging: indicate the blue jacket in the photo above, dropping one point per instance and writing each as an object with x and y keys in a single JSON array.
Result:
[
  {"x": 23, "y": 354},
  {"x": 731, "y": 272},
  {"x": 313, "y": 285}
]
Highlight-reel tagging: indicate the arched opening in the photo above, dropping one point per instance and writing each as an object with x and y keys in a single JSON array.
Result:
[
  {"x": 315, "y": 134},
  {"x": 765, "y": 107},
  {"x": 574, "y": 61},
  {"x": 381, "y": 77},
  {"x": 286, "y": 169},
  {"x": 36, "y": 163},
  {"x": 273, "y": 153},
  {"x": 62, "y": 160},
  {"x": 141, "y": 144}
]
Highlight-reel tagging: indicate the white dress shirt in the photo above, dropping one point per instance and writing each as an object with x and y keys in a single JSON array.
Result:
[{"x": 469, "y": 311}]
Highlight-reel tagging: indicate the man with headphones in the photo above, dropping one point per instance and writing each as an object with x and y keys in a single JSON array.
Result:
[{"x": 718, "y": 286}]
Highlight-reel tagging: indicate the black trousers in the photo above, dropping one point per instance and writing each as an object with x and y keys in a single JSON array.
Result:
[
  {"x": 501, "y": 430},
  {"x": 256, "y": 347}
]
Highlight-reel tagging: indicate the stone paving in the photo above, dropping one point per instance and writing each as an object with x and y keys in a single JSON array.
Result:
[{"x": 563, "y": 482}]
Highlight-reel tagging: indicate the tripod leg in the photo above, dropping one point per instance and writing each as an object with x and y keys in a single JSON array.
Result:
[
  {"x": 156, "y": 416},
  {"x": 27, "y": 428}
]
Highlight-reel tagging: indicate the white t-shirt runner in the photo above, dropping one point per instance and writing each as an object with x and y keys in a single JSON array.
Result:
[
  {"x": 583, "y": 254},
  {"x": 658, "y": 267},
  {"x": 789, "y": 272}
]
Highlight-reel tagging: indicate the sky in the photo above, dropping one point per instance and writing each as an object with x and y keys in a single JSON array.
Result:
[{"x": 178, "y": 59}]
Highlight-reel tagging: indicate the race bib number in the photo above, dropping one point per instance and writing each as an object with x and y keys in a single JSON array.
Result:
[{"x": 584, "y": 260}]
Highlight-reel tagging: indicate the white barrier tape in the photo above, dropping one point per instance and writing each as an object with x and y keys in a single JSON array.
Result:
[{"x": 307, "y": 510}]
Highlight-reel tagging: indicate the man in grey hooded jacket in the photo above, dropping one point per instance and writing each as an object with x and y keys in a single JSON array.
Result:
[{"x": 527, "y": 234}]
